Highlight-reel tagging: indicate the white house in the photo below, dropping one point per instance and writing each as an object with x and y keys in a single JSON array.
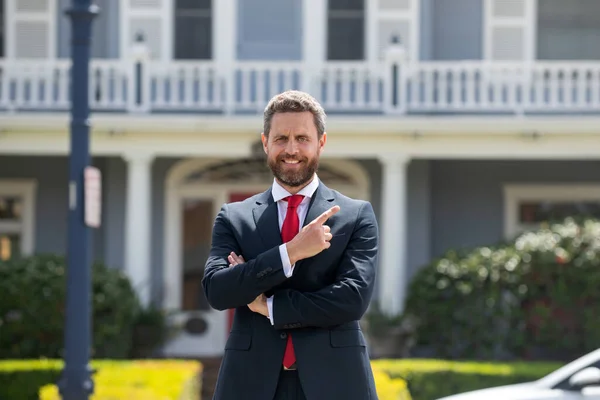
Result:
[{"x": 462, "y": 121}]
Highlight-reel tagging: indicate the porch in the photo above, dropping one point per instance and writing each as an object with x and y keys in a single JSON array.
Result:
[{"x": 393, "y": 85}]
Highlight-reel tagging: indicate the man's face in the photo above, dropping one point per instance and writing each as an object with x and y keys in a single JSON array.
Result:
[{"x": 293, "y": 148}]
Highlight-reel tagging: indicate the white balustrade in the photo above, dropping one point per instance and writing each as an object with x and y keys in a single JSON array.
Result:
[{"x": 143, "y": 85}]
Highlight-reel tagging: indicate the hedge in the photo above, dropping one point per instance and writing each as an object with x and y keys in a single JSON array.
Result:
[
  {"x": 409, "y": 379},
  {"x": 114, "y": 379},
  {"x": 535, "y": 297},
  {"x": 114, "y": 309},
  {"x": 432, "y": 379}
]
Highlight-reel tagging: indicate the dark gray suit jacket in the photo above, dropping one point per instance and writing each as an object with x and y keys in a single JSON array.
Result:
[{"x": 320, "y": 305}]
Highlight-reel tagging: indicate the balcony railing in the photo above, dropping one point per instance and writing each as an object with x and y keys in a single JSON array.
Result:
[{"x": 392, "y": 86}]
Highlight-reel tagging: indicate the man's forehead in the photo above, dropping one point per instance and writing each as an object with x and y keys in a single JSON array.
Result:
[{"x": 291, "y": 131}]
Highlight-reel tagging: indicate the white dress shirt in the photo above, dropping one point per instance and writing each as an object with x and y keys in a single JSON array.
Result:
[{"x": 279, "y": 194}]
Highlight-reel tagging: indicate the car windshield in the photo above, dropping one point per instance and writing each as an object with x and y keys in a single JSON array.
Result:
[{"x": 565, "y": 372}]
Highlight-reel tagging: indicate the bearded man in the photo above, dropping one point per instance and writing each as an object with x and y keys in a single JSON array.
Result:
[{"x": 298, "y": 264}]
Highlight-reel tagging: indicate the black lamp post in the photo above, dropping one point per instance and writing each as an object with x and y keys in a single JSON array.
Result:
[{"x": 76, "y": 381}]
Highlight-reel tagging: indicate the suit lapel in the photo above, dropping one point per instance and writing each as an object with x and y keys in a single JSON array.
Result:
[
  {"x": 266, "y": 216},
  {"x": 320, "y": 202},
  {"x": 267, "y": 220}
]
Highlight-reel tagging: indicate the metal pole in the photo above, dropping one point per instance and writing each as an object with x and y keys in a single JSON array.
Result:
[{"x": 76, "y": 381}]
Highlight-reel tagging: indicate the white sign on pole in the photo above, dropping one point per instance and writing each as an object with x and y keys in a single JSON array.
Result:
[{"x": 93, "y": 196}]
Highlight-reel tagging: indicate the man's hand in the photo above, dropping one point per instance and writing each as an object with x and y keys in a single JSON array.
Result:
[
  {"x": 234, "y": 259},
  {"x": 312, "y": 239},
  {"x": 259, "y": 305}
]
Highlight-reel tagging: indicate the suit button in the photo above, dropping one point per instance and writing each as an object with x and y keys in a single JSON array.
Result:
[{"x": 283, "y": 335}]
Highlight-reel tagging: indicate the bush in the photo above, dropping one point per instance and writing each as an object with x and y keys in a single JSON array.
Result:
[
  {"x": 432, "y": 379},
  {"x": 141, "y": 380},
  {"x": 535, "y": 297},
  {"x": 32, "y": 309},
  {"x": 21, "y": 379}
]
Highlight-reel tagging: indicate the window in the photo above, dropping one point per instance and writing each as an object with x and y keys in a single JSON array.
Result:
[
  {"x": 193, "y": 29},
  {"x": 346, "y": 30},
  {"x": 568, "y": 30},
  {"x": 527, "y": 206},
  {"x": 16, "y": 218}
]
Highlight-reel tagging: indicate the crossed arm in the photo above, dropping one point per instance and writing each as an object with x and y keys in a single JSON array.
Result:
[
  {"x": 343, "y": 301},
  {"x": 348, "y": 297},
  {"x": 231, "y": 287}
]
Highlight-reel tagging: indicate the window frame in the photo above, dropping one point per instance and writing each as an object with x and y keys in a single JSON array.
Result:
[
  {"x": 558, "y": 21},
  {"x": 365, "y": 38},
  {"x": 174, "y": 17},
  {"x": 25, "y": 189},
  {"x": 514, "y": 194}
]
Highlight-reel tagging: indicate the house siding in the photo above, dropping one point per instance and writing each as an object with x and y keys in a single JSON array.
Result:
[{"x": 467, "y": 200}]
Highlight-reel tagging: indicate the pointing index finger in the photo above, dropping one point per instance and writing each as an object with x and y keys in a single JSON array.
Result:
[{"x": 326, "y": 215}]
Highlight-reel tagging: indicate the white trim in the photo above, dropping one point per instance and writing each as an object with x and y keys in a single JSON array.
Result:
[
  {"x": 372, "y": 31},
  {"x": 165, "y": 15},
  {"x": 515, "y": 193},
  {"x": 410, "y": 16},
  {"x": 527, "y": 22},
  {"x": 314, "y": 33},
  {"x": 12, "y": 16},
  {"x": 415, "y": 48},
  {"x": 124, "y": 49},
  {"x": 224, "y": 26},
  {"x": 26, "y": 189},
  {"x": 175, "y": 191},
  {"x": 168, "y": 37}
]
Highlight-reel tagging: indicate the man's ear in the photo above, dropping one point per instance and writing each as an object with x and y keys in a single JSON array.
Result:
[
  {"x": 322, "y": 141},
  {"x": 264, "y": 140}
]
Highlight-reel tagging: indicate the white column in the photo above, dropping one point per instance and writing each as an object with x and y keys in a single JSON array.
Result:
[
  {"x": 225, "y": 43},
  {"x": 138, "y": 223},
  {"x": 392, "y": 267}
]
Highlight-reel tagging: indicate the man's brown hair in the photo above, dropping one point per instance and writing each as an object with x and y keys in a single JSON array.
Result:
[{"x": 294, "y": 101}]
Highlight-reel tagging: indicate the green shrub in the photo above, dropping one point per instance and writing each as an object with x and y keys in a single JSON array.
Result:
[
  {"x": 533, "y": 297},
  {"x": 21, "y": 379},
  {"x": 432, "y": 379},
  {"x": 32, "y": 309}
]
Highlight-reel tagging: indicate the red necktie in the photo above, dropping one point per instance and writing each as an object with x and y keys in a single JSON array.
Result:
[{"x": 290, "y": 228}]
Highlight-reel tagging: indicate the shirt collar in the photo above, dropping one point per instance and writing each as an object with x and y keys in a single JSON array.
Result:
[{"x": 279, "y": 193}]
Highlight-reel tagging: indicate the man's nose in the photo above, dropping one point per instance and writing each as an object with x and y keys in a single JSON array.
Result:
[{"x": 292, "y": 147}]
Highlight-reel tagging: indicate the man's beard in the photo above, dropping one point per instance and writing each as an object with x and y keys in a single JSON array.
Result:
[{"x": 293, "y": 178}]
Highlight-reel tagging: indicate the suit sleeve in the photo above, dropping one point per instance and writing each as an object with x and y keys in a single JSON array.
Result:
[
  {"x": 230, "y": 287},
  {"x": 348, "y": 297}
]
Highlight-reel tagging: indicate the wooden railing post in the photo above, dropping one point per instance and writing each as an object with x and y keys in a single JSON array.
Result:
[{"x": 138, "y": 93}]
